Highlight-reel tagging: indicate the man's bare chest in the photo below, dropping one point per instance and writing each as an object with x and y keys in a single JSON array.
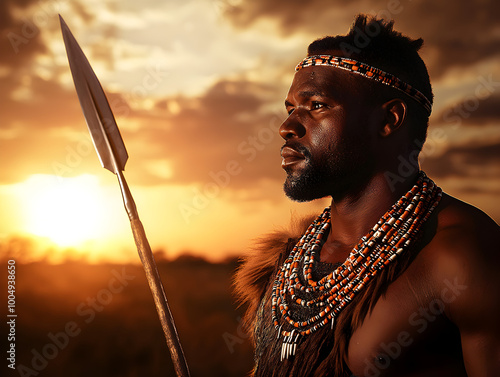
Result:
[{"x": 407, "y": 333}]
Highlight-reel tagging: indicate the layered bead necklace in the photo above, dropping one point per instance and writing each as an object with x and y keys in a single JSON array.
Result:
[{"x": 393, "y": 234}]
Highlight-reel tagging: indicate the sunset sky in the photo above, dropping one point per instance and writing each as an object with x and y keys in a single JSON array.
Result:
[{"x": 197, "y": 88}]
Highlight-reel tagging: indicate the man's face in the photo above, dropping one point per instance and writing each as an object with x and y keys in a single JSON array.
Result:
[{"x": 328, "y": 133}]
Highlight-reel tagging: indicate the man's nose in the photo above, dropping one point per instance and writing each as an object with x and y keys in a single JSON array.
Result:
[{"x": 292, "y": 127}]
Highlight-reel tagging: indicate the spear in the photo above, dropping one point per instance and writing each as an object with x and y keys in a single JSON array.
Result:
[{"x": 113, "y": 156}]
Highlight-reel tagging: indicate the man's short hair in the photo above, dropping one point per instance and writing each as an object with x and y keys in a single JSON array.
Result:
[{"x": 375, "y": 42}]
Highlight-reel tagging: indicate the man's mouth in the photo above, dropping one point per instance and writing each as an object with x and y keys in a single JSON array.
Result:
[{"x": 290, "y": 157}]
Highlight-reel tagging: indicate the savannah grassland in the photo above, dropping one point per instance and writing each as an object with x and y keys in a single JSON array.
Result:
[{"x": 80, "y": 319}]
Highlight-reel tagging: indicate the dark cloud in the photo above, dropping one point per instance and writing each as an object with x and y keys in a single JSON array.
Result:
[
  {"x": 43, "y": 131},
  {"x": 476, "y": 162},
  {"x": 20, "y": 37},
  {"x": 22, "y": 24},
  {"x": 461, "y": 32},
  {"x": 226, "y": 129},
  {"x": 292, "y": 16},
  {"x": 6, "y": 7},
  {"x": 458, "y": 33},
  {"x": 473, "y": 111},
  {"x": 44, "y": 104}
]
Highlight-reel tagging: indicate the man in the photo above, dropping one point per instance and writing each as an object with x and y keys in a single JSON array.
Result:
[{"x": 396, "y": 278}]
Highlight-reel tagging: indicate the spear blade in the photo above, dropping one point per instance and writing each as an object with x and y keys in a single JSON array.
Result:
[
  {"x": 113, "y": 156},
  {"x": 100, "y": 119}
]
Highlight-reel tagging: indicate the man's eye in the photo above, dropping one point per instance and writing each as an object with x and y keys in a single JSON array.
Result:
[
  {"x": 317, "y": 105},
  {"x": 290, "y": 110}
]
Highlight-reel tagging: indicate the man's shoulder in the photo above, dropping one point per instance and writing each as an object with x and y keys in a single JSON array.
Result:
[
  {"x": 465, "y": 237},
  {"x": 454, "y": 213},
  {"x": 464, "y": 249},
  {"x": 463, "y": 228}
]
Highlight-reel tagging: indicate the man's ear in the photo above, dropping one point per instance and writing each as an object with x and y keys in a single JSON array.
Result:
[{"x": 395, "y": 114}]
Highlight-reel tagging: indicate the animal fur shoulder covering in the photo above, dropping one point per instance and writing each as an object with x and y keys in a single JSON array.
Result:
[{"x": 256, "y": 270}]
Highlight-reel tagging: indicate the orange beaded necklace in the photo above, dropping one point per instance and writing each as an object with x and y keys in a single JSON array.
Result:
[{"x": 393, "y": 234}]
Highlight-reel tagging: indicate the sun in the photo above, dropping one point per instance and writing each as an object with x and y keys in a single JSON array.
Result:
[{"x": 68, "y": 211}]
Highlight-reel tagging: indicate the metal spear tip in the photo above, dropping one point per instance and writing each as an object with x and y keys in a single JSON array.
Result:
[
  {"x": 100, "y": 119},
  {"x": 61, "y": 20}
]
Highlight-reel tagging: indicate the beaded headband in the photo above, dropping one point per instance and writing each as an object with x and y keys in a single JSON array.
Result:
[{"x": 367, "y": 71}]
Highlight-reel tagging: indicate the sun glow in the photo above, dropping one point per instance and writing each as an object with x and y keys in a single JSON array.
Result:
[{"x": 68, "y": 211}]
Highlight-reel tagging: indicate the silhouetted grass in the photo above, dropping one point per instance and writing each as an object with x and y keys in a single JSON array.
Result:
[{"x": 105, "y": 324}]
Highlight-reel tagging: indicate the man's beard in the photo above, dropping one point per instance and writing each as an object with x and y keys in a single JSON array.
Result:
[
  {"x": 306, "y": 185},
  {"x": 333, "y": 175}
]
